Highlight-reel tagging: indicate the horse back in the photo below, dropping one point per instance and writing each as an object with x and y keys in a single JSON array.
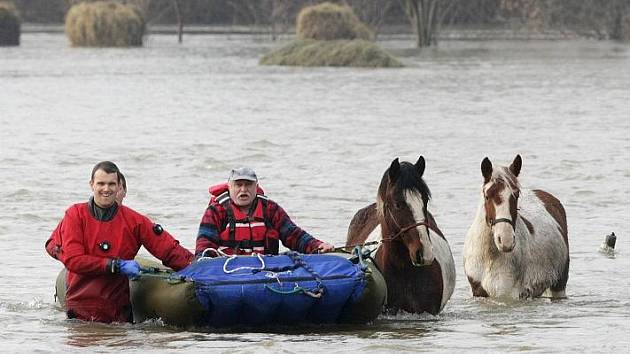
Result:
[
  {"x": 362, "y": 224},
  {"x": 556, "y": 210}
]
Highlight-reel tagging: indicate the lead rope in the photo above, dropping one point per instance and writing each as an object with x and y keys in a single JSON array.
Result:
[
  {"x": 344, "y": 249},
  {"x": 401, "y": 231}
]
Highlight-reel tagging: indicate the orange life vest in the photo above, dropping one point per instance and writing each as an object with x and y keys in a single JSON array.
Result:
[{"x": 245, "y": 233}]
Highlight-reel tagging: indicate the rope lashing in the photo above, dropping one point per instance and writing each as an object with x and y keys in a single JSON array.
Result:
[
  {"x": 217, "y": 253},
  {"x": 158, "y": 273},
  {"x": 253, "y": 269},
  {"x": 315, "y": 292}
]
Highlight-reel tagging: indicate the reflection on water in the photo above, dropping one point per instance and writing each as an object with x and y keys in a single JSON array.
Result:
[
  {"x": 177, "y": 118},
  {"x": 82, "y": 334}
]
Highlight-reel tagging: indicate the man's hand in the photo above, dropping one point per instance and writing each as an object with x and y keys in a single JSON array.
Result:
[
  {"x": 129, "y": 268},
  {"x": 325, "y": 248}
]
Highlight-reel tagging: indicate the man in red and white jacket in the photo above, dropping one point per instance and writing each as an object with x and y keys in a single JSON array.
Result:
[{"x": 241, "y": 220}]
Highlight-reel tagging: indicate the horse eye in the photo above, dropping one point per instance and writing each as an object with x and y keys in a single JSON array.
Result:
[{"x": 397, "y": 205}]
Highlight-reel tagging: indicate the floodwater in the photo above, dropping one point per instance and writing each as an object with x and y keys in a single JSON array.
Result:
[{"x": 177, "y": 118}]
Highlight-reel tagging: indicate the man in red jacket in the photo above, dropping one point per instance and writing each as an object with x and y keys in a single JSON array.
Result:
[
  {"x": 99, "y": 240},
  {"x": 53, "y": 244},
  {"x": 241, "y": 220}
]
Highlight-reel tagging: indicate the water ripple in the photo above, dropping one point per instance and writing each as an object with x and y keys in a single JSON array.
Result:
[{"x": 177, "y": 118}]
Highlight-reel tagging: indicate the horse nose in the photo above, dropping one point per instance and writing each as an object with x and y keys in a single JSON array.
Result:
[
  {"x": 507, "y": 249},
  {"x": 419, "y": 258},
  {"x": 504, "y": 246},
  {"x": 504, "y": 242}
]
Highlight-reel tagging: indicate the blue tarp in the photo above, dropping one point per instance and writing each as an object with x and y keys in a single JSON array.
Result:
[{"x": 242, "y": 292}]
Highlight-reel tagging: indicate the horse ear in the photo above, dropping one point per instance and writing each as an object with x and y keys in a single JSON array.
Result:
[
  {"x": 486, "y": 169},
  {"x": 420, "y": 165},
  {"x": 394, "y": 170},
  {"x": 515, "y": 167}
]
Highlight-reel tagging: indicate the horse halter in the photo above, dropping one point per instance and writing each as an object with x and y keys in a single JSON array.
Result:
[
  {"x": 499, "y": 220},
  {"x": 409, "y": 227},
  {"x": 402, "y": 230},
  {"x": 493, "y": 222}
]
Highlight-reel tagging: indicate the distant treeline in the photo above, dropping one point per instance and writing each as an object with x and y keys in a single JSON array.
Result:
[{"x": 601, "y": 18}]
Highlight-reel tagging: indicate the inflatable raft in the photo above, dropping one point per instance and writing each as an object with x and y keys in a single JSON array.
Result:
[{"x": 247, "y": 291}]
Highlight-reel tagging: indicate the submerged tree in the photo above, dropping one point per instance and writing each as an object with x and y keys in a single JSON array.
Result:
[{"x": 425, "y": 17}]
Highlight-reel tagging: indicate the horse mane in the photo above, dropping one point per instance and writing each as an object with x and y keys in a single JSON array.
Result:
[
  {"x": 408, "y": 179},
  {"x": 503, "y": 175}
]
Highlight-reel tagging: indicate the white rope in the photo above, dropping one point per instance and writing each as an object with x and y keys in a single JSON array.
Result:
[
  {"x": 218, "y": 253},
  {"x": 225, "y": 270}
]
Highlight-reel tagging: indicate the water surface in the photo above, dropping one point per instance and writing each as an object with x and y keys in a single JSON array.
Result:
[{"x": 177, "y": 118}]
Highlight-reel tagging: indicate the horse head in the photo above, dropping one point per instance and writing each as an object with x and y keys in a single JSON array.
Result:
[
  {"x": 500, "y": 192},
  {"x": 402, "y": 211}
]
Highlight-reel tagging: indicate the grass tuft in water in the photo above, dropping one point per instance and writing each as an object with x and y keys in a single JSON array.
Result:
[
  {"x": 104, "y": 24},
  {"x": 352, "y": 53},
  {"x": 329, "y": 21}
]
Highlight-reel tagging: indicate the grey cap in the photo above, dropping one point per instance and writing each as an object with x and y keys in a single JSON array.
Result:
[{"x": 245, "y": 173}]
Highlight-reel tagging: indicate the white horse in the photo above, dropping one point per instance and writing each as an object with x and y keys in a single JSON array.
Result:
[{"x": 517, "y": 247}]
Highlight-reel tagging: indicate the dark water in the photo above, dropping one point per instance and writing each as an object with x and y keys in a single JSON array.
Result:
[{"x": 177, "y": 118}]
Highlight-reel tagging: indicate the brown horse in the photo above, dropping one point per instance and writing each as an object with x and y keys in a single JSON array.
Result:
[
  {"x": 413, "y": 254},
  {"x": 517, "y": 246}
]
